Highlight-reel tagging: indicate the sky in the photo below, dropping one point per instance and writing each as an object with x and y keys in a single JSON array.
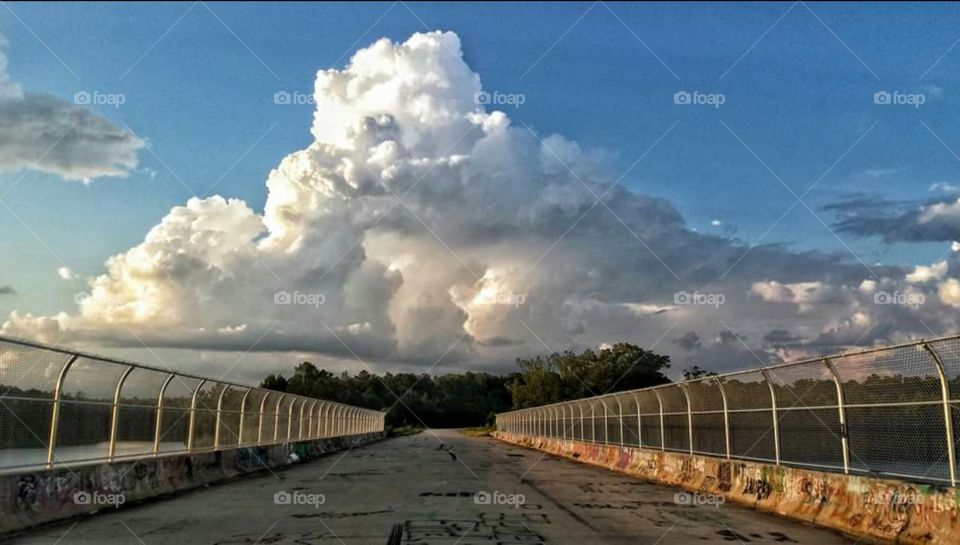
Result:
[{"x": 450, "y": 186}]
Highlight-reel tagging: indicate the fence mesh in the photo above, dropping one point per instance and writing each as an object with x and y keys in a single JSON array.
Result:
[
  {"x": 59, "y": 407},
  {"x": 888, "y": 412}
]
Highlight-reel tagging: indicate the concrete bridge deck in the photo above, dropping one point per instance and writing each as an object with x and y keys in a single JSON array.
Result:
[{"x": 421, "y": 489}]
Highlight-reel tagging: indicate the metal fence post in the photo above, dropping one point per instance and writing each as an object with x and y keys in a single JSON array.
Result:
[
  {"x": 726, "y": 416},
  {"x": 841, "y": 402},
  {"x": 193, "y": 416},
  {"x": 338, "y": 421},
  {"x": 563, "y": 420},
  {"x": 115, "y": 415},
  {"x": 55, "y": 414},
  {"x": 606, "y": 424},
  {"x": 620, "y": 408},
  {"x": 335, "y": 421},
  {"x": 663, "y": 432},
  {"x": 321, "y": 422},
  {"x": 276, "y": 418},
  {"x": 573, "y": 421},
  {"x": 158, "y": 430},
  {"x": 290, "y": 418},
  {"x": 313, "y": 427},
  {"x": 325, "y": 418},
  {"x": 263, "y": 406},
  {"x": 558, "y": 421},
  {"x": 243, "y": 412},
  {"x": 319, "y": 433},
  {"x": 583, "y": 434},
  {"x": 947, "y": 416},
  {"x": 686, "y": 394},
  {"x": 636, "y": 400},
  {"x": 300, "y": 424},
  {"x": 776, "y": 419},
  {"x": 593, "y": 422},
  {"x": 216, "y": 428}
]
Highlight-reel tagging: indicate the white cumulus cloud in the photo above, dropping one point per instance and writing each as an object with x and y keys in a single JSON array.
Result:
[
  {"x": 47, "y": 134},
  {"x": 418, "y": 225}
]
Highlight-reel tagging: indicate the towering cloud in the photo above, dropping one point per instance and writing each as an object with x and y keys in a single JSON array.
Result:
[
  {"x": 420, "y": 225},
  {"x": 47, "y": 134}
]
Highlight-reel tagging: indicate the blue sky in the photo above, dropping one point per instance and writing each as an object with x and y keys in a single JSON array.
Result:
[{"x": 798, "y": 82}]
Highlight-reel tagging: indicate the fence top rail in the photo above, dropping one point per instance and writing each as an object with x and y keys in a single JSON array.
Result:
[
  {"x": 814, "y": 359},
  {"x": 107, "y": 359}
]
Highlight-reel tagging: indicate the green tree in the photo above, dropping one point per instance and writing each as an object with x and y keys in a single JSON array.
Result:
[{"x": 569, "y": 375}]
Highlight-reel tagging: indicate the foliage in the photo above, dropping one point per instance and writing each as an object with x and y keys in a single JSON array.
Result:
[
  {"x": 473, "y": 399},
  {"x": 454, "y": 400},
  {"x": 695, "y": 372},
  {"x": 568, "y": 375},
  {"x": 480, "y": 431}
]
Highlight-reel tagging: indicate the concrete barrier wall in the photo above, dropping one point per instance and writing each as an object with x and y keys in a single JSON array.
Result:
[
  {"x": 874, "y": 510},
  {"x": 30, "y": 499}
]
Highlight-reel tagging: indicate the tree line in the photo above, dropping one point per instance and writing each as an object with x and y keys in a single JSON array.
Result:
[{"x": 474, "y": 398}]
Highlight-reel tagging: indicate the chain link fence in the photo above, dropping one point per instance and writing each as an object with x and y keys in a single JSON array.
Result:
[
  {"x": 59, "y": 407},
  {"x": 881, "y": 412}
]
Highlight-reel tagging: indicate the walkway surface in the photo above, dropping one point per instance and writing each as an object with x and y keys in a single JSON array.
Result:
[{"x": 421, "y": 489}]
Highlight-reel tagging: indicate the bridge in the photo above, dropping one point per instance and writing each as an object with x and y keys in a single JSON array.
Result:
[{"x": 856, "y": 448}]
